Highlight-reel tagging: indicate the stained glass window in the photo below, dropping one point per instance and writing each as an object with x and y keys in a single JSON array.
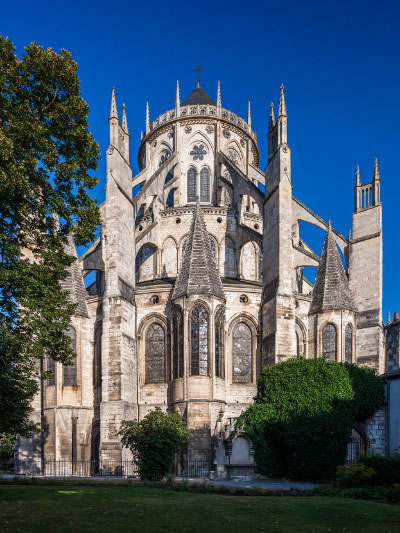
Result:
[
  {"x": 242, "y": 352},
  {"x": 219, "y": 344},
  {"x": 178, "y": 344},
  {"x": 191, "y": 185},
  {"x": 70, "y": 371},
  {"x": 164, "y": 157},
  {"x": 329, "y": 342},
  {"x": 233, "y": 156},
  {"x": 155, "y": 354},
  {"x": 199, "y": 341},
  {"x": 51, "y": 367},
  {"x": 198, "y": 152},
  {"x": 348, "y": 346},
  {"x": 204, "y": 185}
]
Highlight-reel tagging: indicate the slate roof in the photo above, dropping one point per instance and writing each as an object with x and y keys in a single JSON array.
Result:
[
  {"x": 198, "y": 96},
  {"x": 74, "y": 283},
  {"x": 198, "y": 273},
  {"x": 331, "y": 288}
]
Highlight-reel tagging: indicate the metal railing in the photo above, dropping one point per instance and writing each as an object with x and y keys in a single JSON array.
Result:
[
  {"x": 102, "y": 468},
  {"x": 198, "y": 468}
]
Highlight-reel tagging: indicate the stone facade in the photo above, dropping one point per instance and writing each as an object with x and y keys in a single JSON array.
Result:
[{"x": 198, "y": 285}]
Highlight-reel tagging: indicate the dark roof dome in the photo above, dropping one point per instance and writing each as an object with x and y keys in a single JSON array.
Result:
[{"x": 198, "y": 96}]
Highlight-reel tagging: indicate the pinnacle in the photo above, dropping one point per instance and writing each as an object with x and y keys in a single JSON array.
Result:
[
  {"x": 147, "y": 118},
  {"x": 376, "y": 170},
  {"x": 358, "y": 179},
  {"x": 219, "y": 94},
  {"x": 331, "y": 288},
  {"x": 113, "y": 106},
  {"x": 271, "y": 117},
  {"x": 177, "y": 97},
  {"x": 124, "y": 123},
  {"x": 282, "y": 104},
  {"x": 249, "y": 115}
]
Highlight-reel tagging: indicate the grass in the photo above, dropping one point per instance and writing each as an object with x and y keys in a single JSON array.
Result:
[{"x": 30, "y": 509}]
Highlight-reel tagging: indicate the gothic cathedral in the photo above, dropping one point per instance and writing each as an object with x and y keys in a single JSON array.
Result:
[{"x": 198, "y": 285}]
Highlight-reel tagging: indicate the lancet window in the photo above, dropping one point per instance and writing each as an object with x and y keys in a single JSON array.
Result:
[
  {"x": 51, "y": 367},
  {"x": 329, "y": 342},
  {"x": 219, "y": 344},
  {"x": 204, "y": 185},
  {"x": 178, "y": 343},
  {"x": 199, "y": 341},
  {"x": 155, "y": 354},
  {"x": 242, "y": 353},
  {"x": 191, "y": 184},
  {"x": 348, "y": 344},
  {"x": 70, "y": 377}
]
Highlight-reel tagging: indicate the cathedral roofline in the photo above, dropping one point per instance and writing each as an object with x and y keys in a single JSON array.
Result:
[{"x": 198, "y": 96}]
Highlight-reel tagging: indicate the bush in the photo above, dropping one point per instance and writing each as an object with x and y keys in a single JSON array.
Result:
[
  {"x": 356, "y": 475},
  {"x": 392, "y": 493},
  {"x": 154, "y": 442},
  {"x": 387, "y": 468},
  {"x": 303, "y": 415}
]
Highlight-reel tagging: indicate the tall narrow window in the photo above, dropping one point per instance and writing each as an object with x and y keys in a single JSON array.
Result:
[
  {"x": 51, "y": 367},
  {"x": 199, "y": 341},
  {"x": 70, "y": 377},
  {"x": 297, "y": 345},
  {"x": 348, "y": 345},
  {"x": 191, "y": 185},
  {"x": 242, "y": 353},
  {"x": 204, "y": 185},
  {"x": 155, "y": 354},
  {"x": 170, "y": 199},
  {"x": 178, "y": 344},
  {"x": 97, "y": 358},
  {"x": 219, "y": 344},
  {"x": 329, "y": 342}
]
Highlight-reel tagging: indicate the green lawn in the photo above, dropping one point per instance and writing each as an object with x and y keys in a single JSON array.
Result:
[{"x": 141, "y": 509}]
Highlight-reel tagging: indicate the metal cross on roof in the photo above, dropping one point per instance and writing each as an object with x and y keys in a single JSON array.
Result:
[{"x": 198, "y": 69}]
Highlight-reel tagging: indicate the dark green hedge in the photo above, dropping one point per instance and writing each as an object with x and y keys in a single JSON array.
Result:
[
  {"x": 386, "y": 468},
  {"x": 303, "y": 414}
]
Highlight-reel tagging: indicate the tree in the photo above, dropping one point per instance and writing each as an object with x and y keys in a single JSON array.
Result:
[
  {"x": 303, "y": 415},
  {"x": 154, "y": 442},
  {"x": 46, "y": 156}
]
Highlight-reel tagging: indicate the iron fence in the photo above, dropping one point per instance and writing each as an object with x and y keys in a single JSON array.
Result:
[
  {"x": 198, "y": 468},
  {"x": 355, "y": 448},
  {"x": 101, "y": 468}
]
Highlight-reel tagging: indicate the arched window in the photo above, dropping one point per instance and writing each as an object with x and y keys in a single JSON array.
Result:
[
  {"x": 51, "y": 367},
  {"x": 97, "y": 358},
  {"x": 199, "y": 341},
  {"x": 329, "y": 342},
  {"x": 204, "y": 185},
  {"x": 170, "y": 199},
  {"x": 70, "y": 371},
  {"x": 146, "y": 263},
  {"x": 178, "y": 343},
  {"x": 191, "y": 184},
  {"x": 219, "y": 344},
  {"x": 228, "y": 260},
  {"x": 348, "y": 345},
  {"x": 164, "y": 156},
  {"x": 169, "y": 177},
  {"x": 242, "y": 353},
  {"x": 155, "y": 354}
]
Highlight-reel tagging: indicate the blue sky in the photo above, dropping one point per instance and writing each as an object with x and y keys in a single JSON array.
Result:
[{"x": 339, "y": 62}]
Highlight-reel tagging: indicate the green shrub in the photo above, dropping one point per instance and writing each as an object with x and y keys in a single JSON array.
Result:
[
  {"x": 154, "y": 441},
  {"x": 387, "y": 468},
  {"x": 356, "y": 475},
  {"x": 392, "y": 493},
  {"x": 303, "y": 415}
]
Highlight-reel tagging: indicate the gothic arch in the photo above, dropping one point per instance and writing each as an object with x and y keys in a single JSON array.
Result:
[
  {"x": 143, "y": 329},
  {"x": 249, "y": 260},
  {"x": 227, "y": 258},
  {"x": 146, "y": 262},
  {"x": 199, "y": 339},
  {"x": 169, "y": 258},
  {"x": 329, "y": 340},
  {"x": 251, "y": 323},
  {"x": 301, "y": 338},
  {"x": 200, "y": 137},
  {"x": 235, "y": 147}
]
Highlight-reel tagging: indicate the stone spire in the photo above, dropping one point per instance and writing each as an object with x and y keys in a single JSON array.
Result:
[
  {"x": 147, "y": 118},
  {"x": 113, "y": 107},
  {"x": 177, "y": 99},
  {"x": 219, "y": 95},
  {"x": 249, "y": 115},
  {"x": 198, "y": 273},
  {"x": 388, "y": 318},
  {"x": 376, "y": 170},
  {"x": 282, "y": 104},
  {"x": 271, "y": 117},
  {"x": 331, "y": 288},
  {"x": 124, "y": 123},
  {"x": 358, "y": 178}
]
